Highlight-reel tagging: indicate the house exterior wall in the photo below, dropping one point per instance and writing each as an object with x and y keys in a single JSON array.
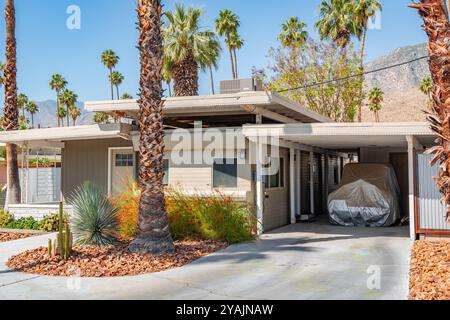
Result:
[{"x": 87, "y": 160}]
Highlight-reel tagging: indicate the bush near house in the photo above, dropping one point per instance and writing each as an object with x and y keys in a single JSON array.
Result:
[
  {"x": 48, "y": 224},
  {"x": 192, "y": 216}
]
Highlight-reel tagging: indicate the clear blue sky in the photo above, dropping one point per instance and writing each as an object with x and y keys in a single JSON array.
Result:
[{"x": 46, "y": 46}]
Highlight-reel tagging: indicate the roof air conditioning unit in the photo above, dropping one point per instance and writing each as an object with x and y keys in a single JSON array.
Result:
[{"x": 241, "y": 85}]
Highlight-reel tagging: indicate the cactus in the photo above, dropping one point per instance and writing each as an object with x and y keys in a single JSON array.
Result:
[{"x": 63, "y": 243}]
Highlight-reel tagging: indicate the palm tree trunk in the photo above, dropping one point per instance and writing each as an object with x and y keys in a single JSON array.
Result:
[
  {"x": 110, "y": 82},
  {"x": 57, "y": 107},
  {"x": 11, "y": 113},
  {"x": 211, "y": 76},
  {"x": 153, "y": 236},
  {"x": 437, "y": 27},
  {"x": 235, "y": 64},
  {"x": 361, "y": 69},
  {"x": 169, "y": 85},
  {"x": 185, "y": 75},
  {"x": 117, "y": 91},
  {"x": 231, "y": 58},
  {"x": 68, "y": 116},
  {"x": 32, "y": 120}
]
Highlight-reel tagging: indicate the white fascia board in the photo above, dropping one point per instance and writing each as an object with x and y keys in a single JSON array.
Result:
[
  {"x": 66, "y": 133},
  {"x": 340, "y": 129}
]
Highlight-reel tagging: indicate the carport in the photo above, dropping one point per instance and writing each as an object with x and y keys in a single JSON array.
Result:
[{"x": 399, "y": 144}]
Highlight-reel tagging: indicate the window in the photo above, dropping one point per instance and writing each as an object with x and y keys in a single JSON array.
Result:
[
  {"x": 276, "y": 180},
  {"x": 124, "y": 160},
  {"x": 166, "y": 172},
  {"x": 225, "y": 173}
]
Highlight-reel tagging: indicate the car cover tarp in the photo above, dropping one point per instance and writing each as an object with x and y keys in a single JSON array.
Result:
[{"x": 367, "y": 196}]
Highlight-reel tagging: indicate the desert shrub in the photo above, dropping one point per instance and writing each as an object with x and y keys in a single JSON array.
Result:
[
  {"x": 94, "y": 219},
  {"x": 192, "y": 216},
  {"x": 28, "y": 223},
  {"x": 127, "y": 203},
  {"x": 217, "y": 217},
  {"x": 5, "y": 218},
  {"x": 50, "y": 223}
]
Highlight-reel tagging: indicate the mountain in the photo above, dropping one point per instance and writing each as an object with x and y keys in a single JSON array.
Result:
[
  {"x": 46, "y": 116},
  {"x": 403, "y": 100}
]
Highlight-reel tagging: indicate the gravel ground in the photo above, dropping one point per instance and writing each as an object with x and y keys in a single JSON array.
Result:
[
  {"x": 430, "y": 271},
  {"x": 8, "y": 236},
  {"x": 112, "y": 261}
]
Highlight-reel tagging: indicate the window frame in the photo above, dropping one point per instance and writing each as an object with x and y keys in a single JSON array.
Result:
[
  {"x": 281, "y": 176},
  {"x": 237, "y": 173}
]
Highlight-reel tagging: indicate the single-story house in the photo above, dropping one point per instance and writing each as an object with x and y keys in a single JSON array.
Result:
[{"x": 231, "y": 142}]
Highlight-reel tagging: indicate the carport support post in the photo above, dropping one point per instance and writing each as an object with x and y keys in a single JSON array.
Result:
[
  {"x": 298, "y": 181},
  {"x": 259, "y": 186},
  {"x": 311, "y": 181},
  {"x": 292, "y": 178},
  {"x": 412, "y": 143}
]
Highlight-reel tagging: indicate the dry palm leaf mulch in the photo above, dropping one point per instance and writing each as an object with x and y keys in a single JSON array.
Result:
[
  {"x": 430, "y": 271},
  {"x": 8, "y": 236},
  {"x": 112, "y": 261}
]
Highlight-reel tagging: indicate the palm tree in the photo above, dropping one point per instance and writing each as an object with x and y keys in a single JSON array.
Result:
[
  {"x": 364, "y": 10},
  {"x": 126, "y": 96},
  {"x": 58, "y": 83},
  {"x": 116, "y": 79},
  {"x": 426, "y": 87},
  {"x": 212, "y": 58},
  {"x": 32, "y": 108},
  {"x": 110, "y": 59},
  {"x": 338, "y": 21},
  {"x": 2, "y": 68},
  {"x": 186, "y": 47},
  {"x": 22, "y": 101},
  {"x": 101, "y": 118},
  {"x": 75, "y": 113},
  {"x": 167, "y": 72},
  {"x": 376, "y": 98},
  {"x": 68, "y": 99},
  {"x": 294, "y": 34},
  {"x": 227, "y": 24},
  {"x": 236, "y": 43},
  {"x": 62, "y": 113},
  {"x": 153, "y": 226},
  {"x": 436, "y": 25},
  {"x": 11, "y": 113}
]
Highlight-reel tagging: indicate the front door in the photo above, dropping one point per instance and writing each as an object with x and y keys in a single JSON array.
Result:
[{"x": 122, "y": 169}]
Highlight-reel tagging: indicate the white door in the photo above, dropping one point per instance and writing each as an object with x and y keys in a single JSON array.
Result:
[{"x": 122, "y": 169}]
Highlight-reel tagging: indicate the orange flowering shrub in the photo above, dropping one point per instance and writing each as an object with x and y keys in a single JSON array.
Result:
[{"x": 192, "y": 216}]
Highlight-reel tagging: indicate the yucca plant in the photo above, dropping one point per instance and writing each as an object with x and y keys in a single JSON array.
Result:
[{"x": 94, "y": 219}]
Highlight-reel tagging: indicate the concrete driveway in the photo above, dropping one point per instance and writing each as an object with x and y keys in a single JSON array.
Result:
[{"x": 303, "y": 261}]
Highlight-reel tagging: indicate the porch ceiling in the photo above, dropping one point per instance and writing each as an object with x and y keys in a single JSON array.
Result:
[{"x": 346, "y": 136}]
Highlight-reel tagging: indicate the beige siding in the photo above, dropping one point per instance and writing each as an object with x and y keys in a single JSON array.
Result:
[{"x": 87, "y": 160}]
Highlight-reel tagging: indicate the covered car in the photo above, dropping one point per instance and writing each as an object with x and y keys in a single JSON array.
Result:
[{"x": 368, "y": 196}]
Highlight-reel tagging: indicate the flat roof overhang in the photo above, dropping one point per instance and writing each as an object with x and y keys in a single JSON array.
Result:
[
  {"x": 346, "y": 136},
  {"x": 55, "y": 137},
  {"x": 217, "y": 105}
]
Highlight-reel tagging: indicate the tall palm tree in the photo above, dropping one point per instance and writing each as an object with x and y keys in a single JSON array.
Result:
[
  {"x": 227, "y": 24},
  {"x": 110, "y": 59},
  {"x": 32, "y": 108},
  {"x": 58, "y": 83},
  {"x": 338, "y": 21},
  {"x": 101, "y": 118},
  {"x": 212, "y": 58},
  {"x": 236, "y": 42},
  {"x": 126, "y": 96},
  {"x": 116, "y": 79},
  {"x": 153, "y": 235},
  {"x": 68, "y": 99},
  {"x": 186, "y": 47},
  {"x": 75, "y": 113},
  {"x": 364, "y": 10},
  {"x": 437, "y": 26},
  {"x": 376, "y": 97},
  {"x": 11, "y": 113},
  {"x": 293, "y": 33},
  {"x": 426, "y": 87},
  {"x": 22, "y": 100},
  {"x": 167, "y": 72}
]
